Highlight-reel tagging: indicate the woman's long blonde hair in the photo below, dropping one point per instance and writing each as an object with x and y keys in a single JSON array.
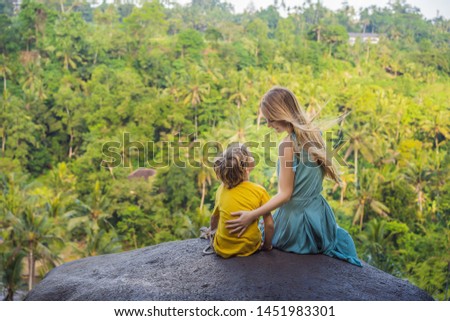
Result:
[{"x": 280, "y": 104}]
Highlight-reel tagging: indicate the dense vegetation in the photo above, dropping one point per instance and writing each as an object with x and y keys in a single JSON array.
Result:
[{"x": 75, "y": 77}]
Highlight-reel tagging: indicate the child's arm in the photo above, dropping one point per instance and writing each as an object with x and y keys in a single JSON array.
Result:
[
  {"x": 214, "y": 222},
  {"x": 268, "y": 232}
]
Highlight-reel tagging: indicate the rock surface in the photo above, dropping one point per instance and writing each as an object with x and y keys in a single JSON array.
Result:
[{"x": 179, "y": 271}]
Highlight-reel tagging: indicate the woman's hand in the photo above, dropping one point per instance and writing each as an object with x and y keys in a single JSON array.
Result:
[{"x": 241, "y": 223}]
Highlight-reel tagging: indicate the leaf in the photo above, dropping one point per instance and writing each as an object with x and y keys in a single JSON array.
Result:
[{"x": 379, "y": 208}]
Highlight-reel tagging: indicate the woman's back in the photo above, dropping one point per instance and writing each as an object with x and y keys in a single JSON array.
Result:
[{"x": 308, "y": 175}]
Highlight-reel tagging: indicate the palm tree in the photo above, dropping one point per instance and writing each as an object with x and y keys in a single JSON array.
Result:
[
  {"x": 92, "y": 217},
  {"x": 5, "y": 72},
  {"x": 68, "y": 54},
  {"x": 32, "y": 83},
  {"x": 11, "y": 253},
  {"x": 234, "y": 129},
  {"x": 394, "y": 33},
  {"x": 358, "y": 139},
  {"x": 377, "y": 240},
  {"x": 68, "y": 43},
  {"x": 62, "y": 179},
  {"x": 173, "y": 86},
  {"x": 437, "y": 127},
  {"x": 266, "y": 80},
  {"x": 70, "y": 102},
  {"x": 346, "y": 179},
  {"x": 36, "y": 235},
  {"x": 236, "y": 92},
  {"x": 194, "y": 95},
  {"x": 204, "y": 178},
  {"x": 101, "y": 242},
  {"x": 62, "y": 184},
  {"x": 318, "y": 28},
  {"x": 367, "y": 196},
  {"x": 11, "y": 265},
  {"x": 94, "y": 212},
  {"x": 58, "y": 196},
  {"x": 365, "y": 22},
  {"x": 385, "y": 149},
  {"x": 418, "y": 176}
]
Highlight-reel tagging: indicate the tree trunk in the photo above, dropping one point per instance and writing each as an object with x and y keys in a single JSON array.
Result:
[
  {"x": 397, "y": 133},
  {"x": 258, "y": 122},
  {"x": 3, "y": 142},
  {"x": 30, "y": 270},
  {"x": 203, "y": 194},
  {"x": 446, "y": 285},
  {"x": 343, "y": 189},
  {"x": 196, "y": 124},
  {"x": 437, "y": 149},
  {"x": 111, "y": 171},
  {"x": 356, "y": 171},
  {"x": 420, "y": 199},
  {"x": 36, "y": 30},
  {"x": 241, "y": 134},
  {"x": 9, "y": 295},
  {"x": 70, "y": 143},
  {"x": 361, "y": 218}
]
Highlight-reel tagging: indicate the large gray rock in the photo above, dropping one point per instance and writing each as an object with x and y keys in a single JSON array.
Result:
[{"x": 179, "y": 271}]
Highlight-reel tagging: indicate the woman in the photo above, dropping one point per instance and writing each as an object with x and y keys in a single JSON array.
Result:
[{"x": 304, "y": 221}]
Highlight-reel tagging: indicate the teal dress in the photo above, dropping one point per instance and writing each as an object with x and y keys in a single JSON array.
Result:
[{"x": 306, "y": 223}]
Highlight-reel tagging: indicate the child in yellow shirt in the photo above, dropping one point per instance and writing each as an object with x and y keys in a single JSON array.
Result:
[{"x": 234, "y": 194}]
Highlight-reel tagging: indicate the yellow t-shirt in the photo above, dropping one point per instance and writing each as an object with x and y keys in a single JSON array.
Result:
[{"x": 246, "y": 196}]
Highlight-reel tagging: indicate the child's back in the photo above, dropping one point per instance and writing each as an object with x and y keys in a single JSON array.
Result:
[{"x": 245, "y": 196}]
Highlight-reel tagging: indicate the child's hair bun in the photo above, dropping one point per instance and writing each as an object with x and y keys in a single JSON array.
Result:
[{"x": 230, "y": 166}]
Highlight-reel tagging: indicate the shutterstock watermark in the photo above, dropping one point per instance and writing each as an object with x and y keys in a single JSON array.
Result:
[{"x": 183, "y": 153}]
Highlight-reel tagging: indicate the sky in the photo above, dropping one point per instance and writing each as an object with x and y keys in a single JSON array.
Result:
[{"x": 428, "y": 8}]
